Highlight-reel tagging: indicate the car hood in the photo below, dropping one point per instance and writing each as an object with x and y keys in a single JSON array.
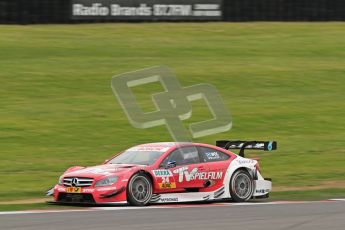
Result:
[{"x": 102, "y": 170}]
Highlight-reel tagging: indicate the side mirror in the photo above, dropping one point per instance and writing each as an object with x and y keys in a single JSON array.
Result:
[{"x": 170, "y": 164}]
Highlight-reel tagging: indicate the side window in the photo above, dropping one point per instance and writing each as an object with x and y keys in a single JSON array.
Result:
[
  {"x": 183, "y": 156},
  {"x": 212, "y": 155}
]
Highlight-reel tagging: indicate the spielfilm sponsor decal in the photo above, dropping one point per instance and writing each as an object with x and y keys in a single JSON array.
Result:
[
  {"x": 147, "y": 9},
  {"x": 186, "y": 175}
]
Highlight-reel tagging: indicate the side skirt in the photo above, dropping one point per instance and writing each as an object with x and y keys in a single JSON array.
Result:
[{"x": 188, "y": 196}]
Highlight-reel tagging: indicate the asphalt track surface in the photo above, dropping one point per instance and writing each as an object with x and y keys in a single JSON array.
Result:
[{"x": 325, "y": 215}]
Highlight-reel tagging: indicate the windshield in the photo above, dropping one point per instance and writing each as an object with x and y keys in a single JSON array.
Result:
[{"x": 137, "y": 157}]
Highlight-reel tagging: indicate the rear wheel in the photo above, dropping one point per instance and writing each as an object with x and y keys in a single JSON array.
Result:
[
  {"x": 241, "y": 186},
  {"x": 139, "y": 190}
]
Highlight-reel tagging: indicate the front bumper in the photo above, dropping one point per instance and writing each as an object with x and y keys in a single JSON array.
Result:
[{"x": 89, "y": 195}]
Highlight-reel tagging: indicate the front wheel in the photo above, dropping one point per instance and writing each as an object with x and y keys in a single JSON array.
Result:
[
  {"x": 139, "y": 190},
  {"x": 241, "y": 186}
]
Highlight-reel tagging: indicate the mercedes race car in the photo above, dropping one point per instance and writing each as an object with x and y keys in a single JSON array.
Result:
[{"x": 168, "y": 172}]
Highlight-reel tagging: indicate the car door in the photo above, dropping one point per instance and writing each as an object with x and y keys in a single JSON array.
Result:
[
  {"x": 186, "y": 168},
  {"x": 217, "y": 163}
]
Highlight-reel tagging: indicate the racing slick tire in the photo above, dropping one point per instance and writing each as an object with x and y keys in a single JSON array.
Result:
[
  {"x": 241, "y": 186},
  {"x": 139, "y": 190}
]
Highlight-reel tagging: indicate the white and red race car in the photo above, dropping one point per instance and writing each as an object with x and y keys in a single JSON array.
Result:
[{"x": 168, "y": 172}]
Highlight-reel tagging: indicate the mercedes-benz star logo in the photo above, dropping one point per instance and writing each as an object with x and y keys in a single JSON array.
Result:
[{"x": 75, "y": 182}]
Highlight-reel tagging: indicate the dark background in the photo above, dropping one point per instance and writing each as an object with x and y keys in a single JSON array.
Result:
[{"x": 59, "y": 11}]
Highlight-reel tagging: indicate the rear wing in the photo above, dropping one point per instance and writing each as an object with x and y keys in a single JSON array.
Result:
[{"x": 242, "y": 145}]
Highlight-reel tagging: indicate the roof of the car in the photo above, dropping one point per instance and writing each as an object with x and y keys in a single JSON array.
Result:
[
  {"x": 158, "y": 146},
  {"x": 166, "y": 145}
]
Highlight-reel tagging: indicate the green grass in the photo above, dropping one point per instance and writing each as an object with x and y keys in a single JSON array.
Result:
[
  {"x": 281, "y": 81},
  {"x": 35, "y": 206},
  {"x": 18, "y": 207},
  {"x": 320, "y": 194}
]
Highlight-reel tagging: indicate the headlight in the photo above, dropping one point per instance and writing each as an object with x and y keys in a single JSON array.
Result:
[
  {"x": 60, "y": 180},
  {"x": 106, "y": 181}
]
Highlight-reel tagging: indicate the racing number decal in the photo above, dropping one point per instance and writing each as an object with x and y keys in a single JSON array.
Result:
[
  {"x": 163, "y": 176},
  {"x": 166, "y": 183}
]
